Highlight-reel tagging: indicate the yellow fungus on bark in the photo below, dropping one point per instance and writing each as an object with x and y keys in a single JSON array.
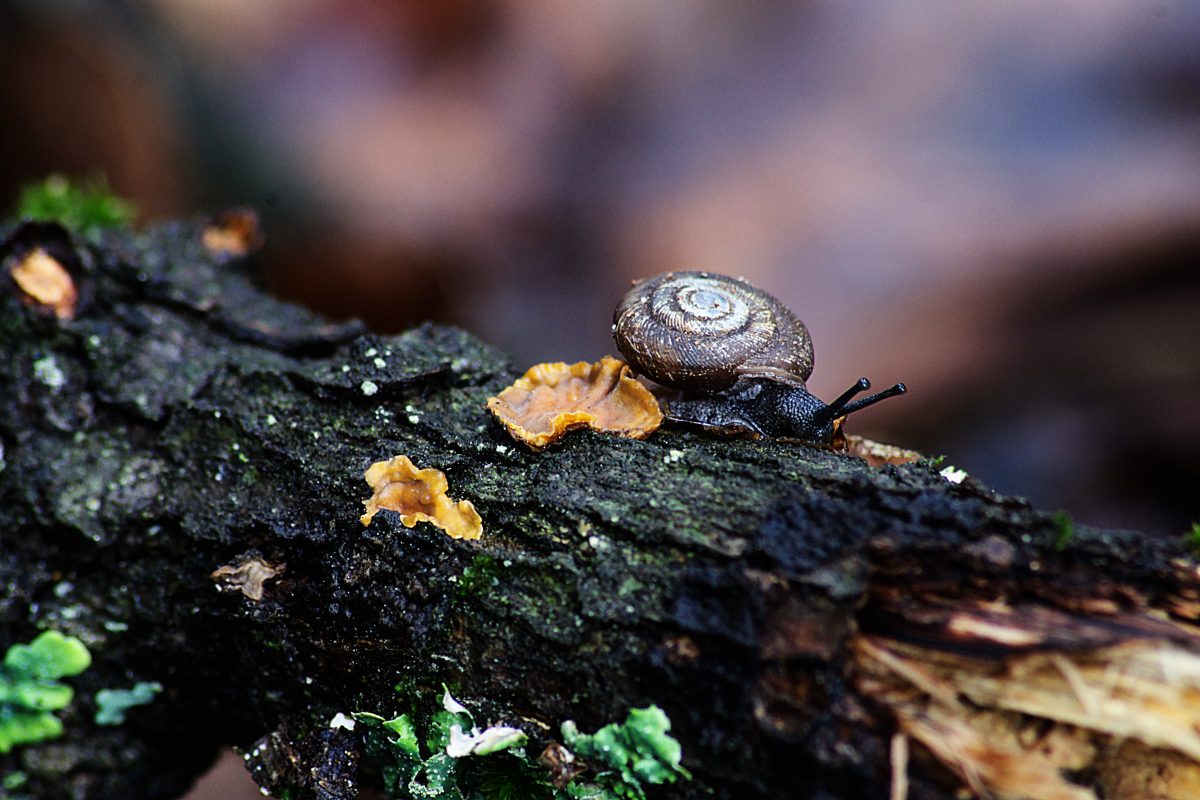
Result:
[
  {"x": 551, "y": 399},
  {"x": 878, "y": 454},
  {"x": 46, "y": 283},
  {"x": 419, "y": 495},
  {"x": 233, "y": 233},
  {"x": 247, "y": 576}
]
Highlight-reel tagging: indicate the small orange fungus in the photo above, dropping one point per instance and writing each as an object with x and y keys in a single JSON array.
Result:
[
  {"x": 46, "y": 283},
  {"x": 233, "y": 233},
  {"x": 247, "y": 576},
  {"x": 419, "y": 495},
  {"x": 878, "y": 454},
  {"x": 551, "y": 399}
]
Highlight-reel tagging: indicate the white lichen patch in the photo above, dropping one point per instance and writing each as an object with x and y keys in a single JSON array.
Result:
[
  {"x": 954, "y": 474},
  {"x": 341, "y": 721},
  {"x": 481, "y": 743},
  {"x": 369, "y": 387},
  {"x": 47, "y": 371},
  {"x": 452, "y": 705}
]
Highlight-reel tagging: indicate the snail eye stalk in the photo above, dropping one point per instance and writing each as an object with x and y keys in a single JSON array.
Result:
[
  {"x": 835, "y": 408},
  {"x": 843, "y": 406},
  {"x": 859, "y": 405}
]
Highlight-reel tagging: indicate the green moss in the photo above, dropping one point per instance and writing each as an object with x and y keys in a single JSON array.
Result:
[
  {"x": 14, "y": 780},
  {"x": 111, "y": 704},
  {"x": 1192, "y": 538},
  {"x": 479, "y": 576},
  {"x": 513, "y": 589},
  {"x": 30, "y": 689},
  {"x": 1066, "y": 529},
  {"x": 82, "y": 206},
  {"x": 638, "y": 751},
  {"x": 454, "y": 760}
]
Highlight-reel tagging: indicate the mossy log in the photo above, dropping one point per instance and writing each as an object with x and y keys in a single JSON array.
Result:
[{"x": 813, "y": 627}]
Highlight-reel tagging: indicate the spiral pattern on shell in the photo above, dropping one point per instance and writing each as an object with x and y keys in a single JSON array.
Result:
[{"x": 702, "y": 331}]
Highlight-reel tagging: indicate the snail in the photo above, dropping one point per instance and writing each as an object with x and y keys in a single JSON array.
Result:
[{"x": 739, "y": 357}]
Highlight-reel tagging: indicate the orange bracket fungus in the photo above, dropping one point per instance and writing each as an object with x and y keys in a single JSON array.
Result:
[
  {"x": 233, "y": 233},
  {"x": 551, "y": 399},
  {"x": 878, "y": 454},
  {"x": 419, "y": 495},
  {"x": 46, "y": 283}
]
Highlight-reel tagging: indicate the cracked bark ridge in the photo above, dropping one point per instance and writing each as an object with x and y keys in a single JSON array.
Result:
[{"x": 184, "y": 420}]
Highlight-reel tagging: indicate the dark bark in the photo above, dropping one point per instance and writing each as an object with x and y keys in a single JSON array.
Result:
[{"x": 184, "y": 420}]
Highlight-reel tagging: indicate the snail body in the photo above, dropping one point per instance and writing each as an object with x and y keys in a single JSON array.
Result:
[{"x": 738, "y": 356}]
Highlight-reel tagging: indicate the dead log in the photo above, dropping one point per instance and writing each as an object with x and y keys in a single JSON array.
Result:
[{"x": 181, "y": 481}]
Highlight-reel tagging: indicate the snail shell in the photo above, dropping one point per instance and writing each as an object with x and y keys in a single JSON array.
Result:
[{"x": 701, "y": 331}]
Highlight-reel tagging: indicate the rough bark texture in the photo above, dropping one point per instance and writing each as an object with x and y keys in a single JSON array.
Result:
[{"x": 184, "y": 420}]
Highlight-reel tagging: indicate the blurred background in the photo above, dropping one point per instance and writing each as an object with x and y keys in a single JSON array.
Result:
[{"x": 997, "y": 203}]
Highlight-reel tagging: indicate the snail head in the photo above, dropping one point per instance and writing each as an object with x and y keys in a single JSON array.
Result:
[
  {"x": 766, "y": 407},
  {"x": 796, "y": 413}
]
